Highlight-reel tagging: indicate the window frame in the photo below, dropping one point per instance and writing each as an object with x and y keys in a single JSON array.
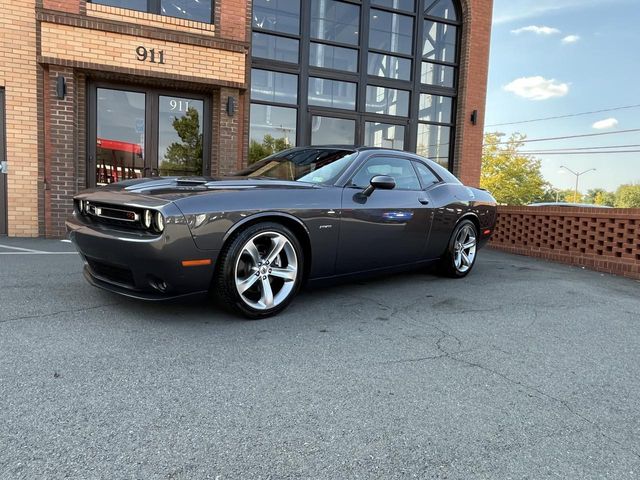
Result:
[
  {"x": 361, "y": 77},
  {"x": 154, "y": 7},
  {"x": 151, "y": 132}
]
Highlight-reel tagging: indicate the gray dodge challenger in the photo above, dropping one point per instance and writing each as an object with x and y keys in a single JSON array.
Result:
[{"x": 308, "y": 214}]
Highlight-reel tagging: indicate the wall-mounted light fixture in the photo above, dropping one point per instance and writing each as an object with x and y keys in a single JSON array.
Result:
[
  {"x": 231, "y": 106},
  {"x": 474, "y": 117},
  {"x": 61, "y": 87}
]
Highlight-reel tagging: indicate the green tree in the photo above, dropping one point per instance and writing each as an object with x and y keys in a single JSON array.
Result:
[
  {"x": 599, "y": 196},
  {"x": 569, "y": 196},
  {"x": 628, "y": 196},
  {"x": 184, "y": 156},
  {"x": 269, "y": 146},
  {"x": 513, "y": 178}
]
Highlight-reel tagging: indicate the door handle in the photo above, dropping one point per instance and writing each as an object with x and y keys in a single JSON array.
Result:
[{"x": 423, "y": 200}]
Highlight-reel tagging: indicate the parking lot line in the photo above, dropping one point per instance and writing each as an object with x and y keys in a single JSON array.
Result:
[{"x": 29, "y": 251}]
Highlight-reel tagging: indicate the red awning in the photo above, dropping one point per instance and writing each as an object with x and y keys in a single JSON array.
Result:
[{"x": 119, "y": 146}]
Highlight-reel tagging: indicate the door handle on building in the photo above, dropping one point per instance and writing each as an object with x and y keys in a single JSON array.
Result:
[{"x": 4, "y": 167}]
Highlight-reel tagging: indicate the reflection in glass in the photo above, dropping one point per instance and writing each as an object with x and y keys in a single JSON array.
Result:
[
  {"x": 272, "y": 129},
  {"x": 441, "y": 8},
  {"x": 408, "y": 5},
  {"x": 332, "y": 131},
  {"x": 120, "y": 135},
  {"x": 390, "y": 32},
  {"x": 388, "y": 66},
  {"x": 436, "y": 74},
  {"x": 336, "y": 58},
  {"x": 277, "y": 15},
  {"x": 332, "y": 93},
  {"x": 335, "y": 21},
  {"x": 274, "y": 86},
  {"x": 180, "y": 136},
  {"x": 274, "y": 47},
  {"x": 196, "y": 10},
  {"x": 384, "y": 135},
  {"x": 439, "y": 42},
  {"x": 434, "y": 108},
  {"x": 140, "y": 5},
  {"x": 387, "y": 101},
  {"x": 434, "y": 143}
]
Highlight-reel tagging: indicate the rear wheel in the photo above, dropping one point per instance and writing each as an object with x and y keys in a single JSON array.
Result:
[
  {"x": 260, "y": 271},
  {"x": 460, "y": 256}
]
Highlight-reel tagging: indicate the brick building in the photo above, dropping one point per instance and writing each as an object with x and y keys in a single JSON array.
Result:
[{"x": 93, "y": 92}]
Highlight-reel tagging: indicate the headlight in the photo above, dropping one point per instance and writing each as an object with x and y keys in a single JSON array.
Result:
[
  {"x": 86, "y": 207},
  {"x": 81, "y": 206},
  {"x": 159, "y": 222},
  {"x": 146, "y": 218}
]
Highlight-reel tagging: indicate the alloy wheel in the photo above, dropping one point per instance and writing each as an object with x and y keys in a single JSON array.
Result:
[
  {"x": 266, "y": 270},
  {"x": 464, "y": 248}
]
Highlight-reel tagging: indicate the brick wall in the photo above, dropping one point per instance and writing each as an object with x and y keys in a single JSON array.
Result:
[
  {"x": 474, "y": 68},
  {"x": 60, "y": 151},
  {"x": 70, "y": 6},
  {"x": 19, "y": 75},
  {"x": 607, "y": 240}
]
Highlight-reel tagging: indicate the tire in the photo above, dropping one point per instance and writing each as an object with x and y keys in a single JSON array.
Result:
[
  {"x": 458, "y": 262},
  {"x": 246, "y": 280}
]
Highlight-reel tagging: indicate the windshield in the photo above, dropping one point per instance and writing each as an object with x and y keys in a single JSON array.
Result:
[{"x": 312, "y": 165}]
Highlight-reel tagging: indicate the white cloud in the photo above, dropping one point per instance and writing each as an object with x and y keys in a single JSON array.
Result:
[
  {"x": 537, "y": 88},
  {"x": 605, "y": 124},
  {"x": 541, "y": 30},
  {"x": 570, "y": 39}
]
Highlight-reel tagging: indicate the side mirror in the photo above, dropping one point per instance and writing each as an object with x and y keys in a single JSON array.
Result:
[{"x": 382, "y": 182}]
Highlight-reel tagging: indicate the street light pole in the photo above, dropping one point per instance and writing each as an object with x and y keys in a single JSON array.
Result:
[{"x": 578, "y": 175}]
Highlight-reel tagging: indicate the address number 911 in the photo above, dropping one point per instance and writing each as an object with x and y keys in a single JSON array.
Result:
[{"x": 150, "y": 55}]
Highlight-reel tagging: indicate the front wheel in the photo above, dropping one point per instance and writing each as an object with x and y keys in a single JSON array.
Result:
[
  {"x": 460, "y": 256},
  {"x": 260, "y": 271}
]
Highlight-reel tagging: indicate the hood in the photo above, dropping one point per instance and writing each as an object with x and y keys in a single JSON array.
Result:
[{"x": 174, "y": 188}]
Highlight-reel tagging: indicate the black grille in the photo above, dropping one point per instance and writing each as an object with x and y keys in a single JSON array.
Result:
[
  {"x": 126, "y": 217},
  {"x": 111, "y": 273}
]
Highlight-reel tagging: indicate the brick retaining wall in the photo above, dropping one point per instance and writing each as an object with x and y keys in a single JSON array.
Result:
[{"x": 607, "y": 240}]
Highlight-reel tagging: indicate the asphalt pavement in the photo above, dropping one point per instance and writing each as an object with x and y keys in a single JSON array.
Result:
[{"x": 524, "y": 370}]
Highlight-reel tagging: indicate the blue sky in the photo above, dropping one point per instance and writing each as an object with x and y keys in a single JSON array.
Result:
[{"x": 536, "y": 71}]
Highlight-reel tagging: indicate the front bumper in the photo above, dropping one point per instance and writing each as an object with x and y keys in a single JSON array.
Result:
[{"x": 139, "y": 265}]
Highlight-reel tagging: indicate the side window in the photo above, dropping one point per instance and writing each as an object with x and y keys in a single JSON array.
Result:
[
  {"x": 400, "y": 169},
  {"x": 426, "y": 175}
]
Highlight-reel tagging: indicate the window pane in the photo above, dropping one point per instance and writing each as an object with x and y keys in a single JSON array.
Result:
[
  {"x": 130, "y": 4},
  {"x": 337, "y": 58},
  {"x": 272, "y": 129},
  {"x": 274, "y": 87},
  {"x": 196, "y": 10},
  {"x": 441, "y": 8},
  {"x": 335, "y": 21},
  {"x": 439, "y": 42},
  {"x": 435, "y": 74},
  {"x": 434, "y": 108},
  {"x": 387, "y": 101},
  {"x": 426, "y": 175},
  {"x": 120, "y": 135},
  {"x": 384, "y": 135},
  {"x": 332, "y": 93},
  {"x": 434, "y": 143},
  {"x": 388, "y": 66},
  {"x": 332, "y": 131},
  {"x": 180, "y": 136},
  {"x": 273, "y": 47},
  {"x": 408, "y": 5},
  {"x": 391, "y": 32},
  {"x": 277, "y": 15},
  {"x": 400, "y": 169}
]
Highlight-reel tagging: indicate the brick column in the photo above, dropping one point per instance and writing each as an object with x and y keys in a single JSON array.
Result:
[
  {"x": 229, "y": 133},
  {"x": 60, "y": 174},
  {"x": 474, "y": 66}
]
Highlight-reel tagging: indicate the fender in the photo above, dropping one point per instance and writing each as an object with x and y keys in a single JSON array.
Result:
[{"x": 258, "y": 216}]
